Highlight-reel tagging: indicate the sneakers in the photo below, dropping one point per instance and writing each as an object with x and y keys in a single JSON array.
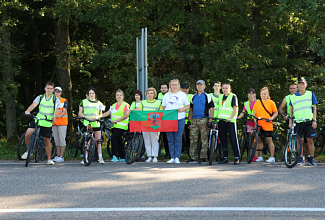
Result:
[
  {"x": 312, "y": 162},
  {"x": 59, "y": 159},
  {"x": 24, "y": 156},
  {"x": 301, "y": 162},
  {"x": 191, "y": 161},
  {"x": 171, "y": 161},
  {"x": 114, "y": 159},
  {"x": 254, "y": 159},
  {"x": 50, "y": 162},
  {"x": 55, "y": 158},
  {"x": 149, "y": 160},
  {"x": 236, "y": 162},
  {"x": 202, "y": 161},
  {"x": 155, "y": 160},
  {"x": 177, "y": 160},
  {"x": 260, "y": 159},
  {"x": 82, "y": 162},
  {"x": 225, "y": 160},
  {"x": 121, "y": 160},
  {"x": 271, "y": 160},
  {"x": 101, "y": 161}
]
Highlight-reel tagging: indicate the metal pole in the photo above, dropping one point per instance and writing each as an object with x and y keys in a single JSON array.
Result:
[
  {"x": 145, "y": 61},
  {"x": 138, "y": 63}
]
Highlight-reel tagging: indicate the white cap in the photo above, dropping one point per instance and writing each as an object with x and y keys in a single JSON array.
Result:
[{"x": 58, "y": 88}]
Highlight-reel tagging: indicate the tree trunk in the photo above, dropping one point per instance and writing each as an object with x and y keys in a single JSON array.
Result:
[
  {"x": 63, "y": 66},
  {"x": 11, "y": 121},
  {"x": 256, "y": 11}
]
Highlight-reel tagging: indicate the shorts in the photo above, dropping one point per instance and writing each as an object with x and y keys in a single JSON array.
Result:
[
  {"x": 249, "y": 128},
  {"x": 45, "y": 131},
  {"x": 59, "y": 133},
  {"x": 266, "y": 133},
  {"x": 304, "y": 129},
  {"x": 31, "y": 124}
]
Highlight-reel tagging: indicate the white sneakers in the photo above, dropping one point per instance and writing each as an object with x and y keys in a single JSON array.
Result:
[
  {"x": 176, "y": 160},
  {"x": 171, "y": 161},
  {"x": 24, "y": 156},
  {"x": 50, "y": 162},
  {"x": 101, "y": 161},
  {"x": 155, "y": 160},
  {"x": 259, "y": 159},
  {"x": 149, "y": 160},
  {"x": 82, "y": 162},
  {"x": 58, "y": 159},
  {"x": 271, "y": 160}
]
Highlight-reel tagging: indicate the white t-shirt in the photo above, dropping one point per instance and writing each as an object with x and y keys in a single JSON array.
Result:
[{"x": 175, "y": 101}]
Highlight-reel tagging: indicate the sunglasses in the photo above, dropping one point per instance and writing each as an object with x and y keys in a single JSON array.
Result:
[
  {"x": 57, "y": 91},
  {"x": 251, "y": 93}
]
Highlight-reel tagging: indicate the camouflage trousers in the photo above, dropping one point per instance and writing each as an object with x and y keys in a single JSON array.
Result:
[{"x": 199, "y": 126}]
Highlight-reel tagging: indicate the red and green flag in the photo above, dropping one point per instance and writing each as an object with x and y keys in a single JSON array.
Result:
[{"x": 154, "y": 121}]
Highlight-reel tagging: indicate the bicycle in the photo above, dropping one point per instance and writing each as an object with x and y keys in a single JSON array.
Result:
[
  {"x": 214, "y": 141},
  {"x": 88, "y": 142},
  {"x": 74, "y": 142},
  {"x": 36, "y": 144},
  {"x": 22, "y": 147},
  {"x": 244, "y": 140},
  {"x": 291, "y": 152},
  {"x": 135, "y": 148}
]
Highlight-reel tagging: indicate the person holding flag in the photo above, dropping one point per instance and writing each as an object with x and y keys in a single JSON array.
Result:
[{"x": 151, "y": 138}]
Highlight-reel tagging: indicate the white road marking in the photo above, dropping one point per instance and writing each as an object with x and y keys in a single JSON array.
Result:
[{"x": 155, "y": 209}]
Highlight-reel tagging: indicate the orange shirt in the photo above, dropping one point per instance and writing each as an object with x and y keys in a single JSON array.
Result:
[{"x": 260, "y": 112}]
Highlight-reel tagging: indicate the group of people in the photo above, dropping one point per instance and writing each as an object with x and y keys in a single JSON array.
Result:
[{"x": 195, "y": 114}]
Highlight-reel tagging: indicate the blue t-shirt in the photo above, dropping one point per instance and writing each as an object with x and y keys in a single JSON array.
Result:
[
  {"x": 314, "y": 100},
  {"x": 199, "y": 106}
]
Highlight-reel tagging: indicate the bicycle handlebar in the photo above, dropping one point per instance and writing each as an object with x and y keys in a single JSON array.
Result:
[
  {"x": 32, "y": 116},
  {"x": 293, "y": 119},
  {"x": 259, "y": 118},
  {"x": 84, "y": 118}
]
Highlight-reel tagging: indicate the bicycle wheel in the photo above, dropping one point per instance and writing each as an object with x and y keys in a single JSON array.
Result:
[
  {"x": 279, "y": 143},
  {"x": 30, "y": 148},
  {"x": 212, "y": 147},
  {"x": 89, "y": 150},
  {"x": 319, "y": 144},
  {"x": 21, "y": 148},
  {"x": 131, "y": 151},
  {"x": 141, "y": 149},
  {"x": 252, "y": 146},
  {"x": 292, "y": 153},
  {"x": 242, "y": 144},
  {"x": 73, "y": 144},
  {"x": 39, "y": 151}
]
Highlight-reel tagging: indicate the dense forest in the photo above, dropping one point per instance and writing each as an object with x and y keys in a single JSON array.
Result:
[{"x": 81, "y": 43}]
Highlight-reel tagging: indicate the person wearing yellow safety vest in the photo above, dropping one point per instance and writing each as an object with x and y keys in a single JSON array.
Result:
[
  {"x": 228, "y": 110},
  {"x": 151, "y": 138},
  {"x": 176, "y": 99},
  {"x": 163, "y": 91},
  {"x": 119, "y": 112},
  {"x": 248, "y": 108},
  {"x": 138, "y": 97},
  {"x": 47, "y": 103},
  {"x": 60, "y": 125},
  {"x": 265, "y": 108},
  {"x": 92, "y": 109},
  {"x": 215, "y": 96},
  {"x": 303, "y": 106},
  {"x": 185, "y": 88}
]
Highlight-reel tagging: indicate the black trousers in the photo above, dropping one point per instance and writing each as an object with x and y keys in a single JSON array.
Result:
[
  {"x": 224, "y": 129},
  {"x": 117, "y": 142},
  {"x": 187, "y": 136},
  {"x": 164, "y": 135}
]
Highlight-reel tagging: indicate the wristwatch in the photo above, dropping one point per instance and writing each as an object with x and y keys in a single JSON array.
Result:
[{"x": 315, "y": 120}]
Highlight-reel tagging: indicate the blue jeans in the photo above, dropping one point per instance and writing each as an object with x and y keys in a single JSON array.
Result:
[{"x": 175, "y": 140}]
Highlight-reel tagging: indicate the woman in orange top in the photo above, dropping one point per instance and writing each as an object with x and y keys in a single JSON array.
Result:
[{"x": 268, "y": 111}]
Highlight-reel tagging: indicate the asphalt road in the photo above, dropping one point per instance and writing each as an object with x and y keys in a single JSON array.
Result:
[{"x": 161, "y": 191}]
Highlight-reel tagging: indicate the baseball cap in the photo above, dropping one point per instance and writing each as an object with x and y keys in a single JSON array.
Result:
[
  {"x": 251, "y": 90},
  {"x": 58, "y": 88},
  {"x": 200, "y": 81},
  {"x": 303, "y": 80},
  {"x": 184, "y": 86}
]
